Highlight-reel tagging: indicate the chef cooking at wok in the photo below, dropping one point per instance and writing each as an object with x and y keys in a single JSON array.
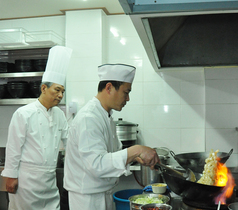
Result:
[
  {"x": 94, "y": 159},
  {"x": 34, "y": 136}
]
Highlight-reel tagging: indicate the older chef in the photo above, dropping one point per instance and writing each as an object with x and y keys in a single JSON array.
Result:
[
  {"x": 34, "y": 136},
  {"x": 94, "y": 155}
]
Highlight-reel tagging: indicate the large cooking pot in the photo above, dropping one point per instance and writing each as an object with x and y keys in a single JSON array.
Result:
[
  {"x": 126, "y": 132},
  {"x": 136, "y": 206},
  {"x": 193, "y": 191},
  {"x": 196, "y": 160}
]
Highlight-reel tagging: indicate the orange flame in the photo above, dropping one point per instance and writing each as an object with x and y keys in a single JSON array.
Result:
[{"x": 224, "y": 179}]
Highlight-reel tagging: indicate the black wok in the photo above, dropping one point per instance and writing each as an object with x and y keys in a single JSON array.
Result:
[
  {"x": 193, "y": 191},
  {"x": 196, "y": 161}
]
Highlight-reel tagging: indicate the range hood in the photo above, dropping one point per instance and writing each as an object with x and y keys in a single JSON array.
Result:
[{"x": 186, "y": 33}]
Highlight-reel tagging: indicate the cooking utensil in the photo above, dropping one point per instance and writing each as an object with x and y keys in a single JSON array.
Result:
[
  {"x": 188, "y": 175},
  {"x": 192, "y": 190},
  {"x": 196, "y": 161}
]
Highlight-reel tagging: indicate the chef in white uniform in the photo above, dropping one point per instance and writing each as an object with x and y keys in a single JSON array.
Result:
[
  {"x": 94, "y": 157},
  {"x": 34, "y": 136}
]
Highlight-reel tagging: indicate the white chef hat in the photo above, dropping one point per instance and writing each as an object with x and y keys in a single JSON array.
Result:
[
  {"x": 57, "y": 65},
  {"x": 116, "y": 72}
]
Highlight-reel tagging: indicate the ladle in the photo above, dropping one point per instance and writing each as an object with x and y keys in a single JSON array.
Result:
[{"x": 188, "y": 175}]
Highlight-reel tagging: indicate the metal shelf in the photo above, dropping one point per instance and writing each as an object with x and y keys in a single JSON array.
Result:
[
  {"x": 21, "y": 74},
  {"x": 16, "y": 101}
]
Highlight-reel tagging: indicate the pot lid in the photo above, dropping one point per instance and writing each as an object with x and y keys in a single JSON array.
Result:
[{"x": 121, "y": 122}]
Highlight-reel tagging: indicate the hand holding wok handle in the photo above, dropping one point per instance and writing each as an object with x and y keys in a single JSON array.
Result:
[
  {"x": 12, "y": 185},
  {"x": 144, "y": 155}
]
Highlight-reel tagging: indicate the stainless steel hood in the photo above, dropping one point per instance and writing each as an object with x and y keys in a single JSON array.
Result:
[{"x": 186, "y": 33}]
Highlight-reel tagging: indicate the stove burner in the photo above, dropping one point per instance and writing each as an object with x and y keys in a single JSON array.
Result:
[{"x": 203, "y": 205}]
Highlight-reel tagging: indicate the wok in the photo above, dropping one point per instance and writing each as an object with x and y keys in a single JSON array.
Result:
[
  {"x": 193, "y": 191},
  {"x": 196, "y": 161}
]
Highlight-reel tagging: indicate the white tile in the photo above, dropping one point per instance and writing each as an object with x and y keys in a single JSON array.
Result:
[
  {"x": 129, "y": 48},
  {"x": 193, "y": 140},
  {"x": 30, "y": 24},
  {"x": 136, "y": 94},
  {"x": 234, "y": 115},
  {"x": 83, "y": 69},
  {"x": 193, "y": 75},
  {"x": 162, "y": 116},
  {"x": 222, "y": 139},
  {"x": 172, "y": 76},
  {"x": 193, "y": 92},
  {"x": 149, "y": 74},
  {"x": 161, "y": 93},
  {"x": 192, "y": 116},
  {"x": 218, "y": 116},
  {"x": 120, "y": 25},
  {"x": 56, "y": 24},
  {"x": 89, "y": 45},
  {"x": 221, "y": 73},
  {"x": 169, "y": 138},
  {"x": 84, "y": 22},
  {"x": 234, "y": 91},
  {"x": 81, "y": 92},
  {"x": 218, "y": 91}
]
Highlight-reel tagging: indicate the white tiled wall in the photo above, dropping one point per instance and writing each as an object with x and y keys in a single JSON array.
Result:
[{"x": 184, "y": 109}]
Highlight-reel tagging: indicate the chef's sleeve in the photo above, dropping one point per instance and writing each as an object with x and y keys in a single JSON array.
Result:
[{"x": 16, "y": 139}]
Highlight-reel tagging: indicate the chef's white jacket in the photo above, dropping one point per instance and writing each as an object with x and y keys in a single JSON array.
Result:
[
  {"x": 33, "y": 141},
  {"x": 94, "y": 159}
]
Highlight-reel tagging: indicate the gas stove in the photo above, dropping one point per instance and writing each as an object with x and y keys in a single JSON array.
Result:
[{"x": 178, "y": 203}]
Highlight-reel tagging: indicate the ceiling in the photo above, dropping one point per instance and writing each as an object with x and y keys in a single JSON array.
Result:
[{"x": 11, "y": 9}]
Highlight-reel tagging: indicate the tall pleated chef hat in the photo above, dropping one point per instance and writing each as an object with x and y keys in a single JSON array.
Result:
[
  {"x": 57, "y": 65},
  {"x": 116, "y": 72}
]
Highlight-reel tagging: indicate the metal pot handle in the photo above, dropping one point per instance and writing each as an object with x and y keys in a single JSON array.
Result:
[
  {"x": 168, "y": 150},
  {"x": 172, "y": 153}
]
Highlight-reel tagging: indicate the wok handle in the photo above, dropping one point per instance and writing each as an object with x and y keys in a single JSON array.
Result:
[
  {"x": 157, "y": 165},
  {"x": 172, "y": 153},
  {"x": 229, "y": 153}
]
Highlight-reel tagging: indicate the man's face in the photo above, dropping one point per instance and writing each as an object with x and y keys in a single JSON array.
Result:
[
  {"x": 54, "y": 94},
  {"x": 120, "y": 96}
]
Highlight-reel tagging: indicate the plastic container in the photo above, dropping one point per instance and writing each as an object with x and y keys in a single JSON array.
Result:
[{"x": 121, "y": 198}]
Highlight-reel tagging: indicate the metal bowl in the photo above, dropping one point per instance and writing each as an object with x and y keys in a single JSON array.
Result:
[
  {"x": 158, "y": 205},
  {"x": 136, "y": 206}
]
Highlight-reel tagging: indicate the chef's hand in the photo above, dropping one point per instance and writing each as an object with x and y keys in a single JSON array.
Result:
[
  {"x": 144, "y": 155},
  {"x": 11, "y": 185}
]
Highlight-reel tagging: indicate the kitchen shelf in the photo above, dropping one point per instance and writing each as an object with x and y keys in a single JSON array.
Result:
[
  {"x": 21, "y": 74},
  {"x": 16, "y": 101},
  {"x": 19, "y": 38}
]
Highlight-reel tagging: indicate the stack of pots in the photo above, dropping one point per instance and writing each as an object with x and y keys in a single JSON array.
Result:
[
  {"x": 126, "y": 132},
  {"x": 149, "y": 176}
]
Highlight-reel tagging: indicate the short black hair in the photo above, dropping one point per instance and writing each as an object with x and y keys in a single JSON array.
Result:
[{"x": 115, "y": 84}]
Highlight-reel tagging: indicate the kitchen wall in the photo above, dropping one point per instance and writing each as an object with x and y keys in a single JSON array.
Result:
[{"x": 184, "y": 109}]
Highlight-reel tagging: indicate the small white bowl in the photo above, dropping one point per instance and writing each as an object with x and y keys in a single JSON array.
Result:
[{"x": 159, "y": 187}]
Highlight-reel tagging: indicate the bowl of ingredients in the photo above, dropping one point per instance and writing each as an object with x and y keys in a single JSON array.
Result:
[
  {"x": 159, "y": 187},
  {"x": 156, "y": 206},
  {"x": 136, "y": 201},
  {"x": 233, "y": 206}
]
